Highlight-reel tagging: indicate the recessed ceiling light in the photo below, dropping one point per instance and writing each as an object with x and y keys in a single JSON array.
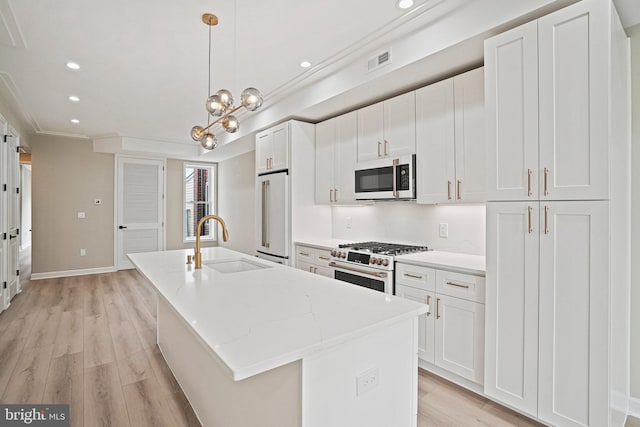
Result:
[
  {"x": 74, "y": 98},
  {"x": 305, "y": 64},
  {"x": 405, "y": 4},
  {"x": 73, "y": 65},
  {"x": 75, "y": 121}
]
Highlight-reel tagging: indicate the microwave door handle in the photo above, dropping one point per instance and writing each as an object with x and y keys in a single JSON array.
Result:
[{"x": 395, "y": 184}]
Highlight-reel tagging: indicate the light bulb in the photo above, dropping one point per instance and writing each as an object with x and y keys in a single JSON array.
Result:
[
  {"x": 209, "y": 142},
  {"x": 226, "y": 98},
  {"x": 231, "y": 124},
  {"x": 197, "y": 133},
  {"x": 251, "y": 98},
  {"x": 215, "y": 106}
]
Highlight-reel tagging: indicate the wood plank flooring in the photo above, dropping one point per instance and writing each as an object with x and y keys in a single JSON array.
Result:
[{"x": 90, "y": 341}]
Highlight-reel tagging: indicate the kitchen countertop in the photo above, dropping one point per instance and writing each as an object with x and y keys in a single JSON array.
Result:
[
  {"x": 464, "y": 263},
  {"x": 323, "y": 243},
  {"x": 258, "y": 320}
]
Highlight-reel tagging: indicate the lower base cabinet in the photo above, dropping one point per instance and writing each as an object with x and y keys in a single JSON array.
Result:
[
  {"x": 314, "y": 260},
  {"x": 451, "y": 334}
]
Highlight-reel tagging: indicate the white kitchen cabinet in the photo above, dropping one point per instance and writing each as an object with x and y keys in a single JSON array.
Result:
[
  {"x": 451, "y": 334},
  {"x": 314, "y": 260},
  {"x": 573, "y": 353},
  {"x": 511, "y": 336},
  {"x": 272, "y": 149},
  {"x": 387, "y": 129},
  {"x": 460, "y": 337},
  {"x": 547, "y": 92},
  {"x": 336, "y": 159},
  {"x": 450, "y": 140}
]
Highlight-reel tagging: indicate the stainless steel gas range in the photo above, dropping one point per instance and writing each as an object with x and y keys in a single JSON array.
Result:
[{"x": 369, "y": 264}]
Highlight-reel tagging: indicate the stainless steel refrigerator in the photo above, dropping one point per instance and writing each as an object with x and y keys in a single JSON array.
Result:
[{"x": 272, "y": 217}]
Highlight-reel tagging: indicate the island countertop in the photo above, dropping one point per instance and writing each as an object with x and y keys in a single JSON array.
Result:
[{"x": 258, "y": 320}]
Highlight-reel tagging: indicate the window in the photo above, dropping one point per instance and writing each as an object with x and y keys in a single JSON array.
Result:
[{"x": 199, "y": 200}]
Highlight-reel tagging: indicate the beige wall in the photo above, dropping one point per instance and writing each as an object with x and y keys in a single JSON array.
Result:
[
  {"x": 175, "y": 207},
  {"x": 634, "y": 33},
  {"x": 236, "y": 194},
  {"x": 66, "y": 178}
]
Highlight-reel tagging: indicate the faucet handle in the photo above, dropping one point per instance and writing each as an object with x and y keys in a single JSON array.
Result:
[{"x": 189, "y": 258}]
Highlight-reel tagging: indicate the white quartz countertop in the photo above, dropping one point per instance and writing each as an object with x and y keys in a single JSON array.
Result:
[
  {"x": 323, "y": 243},
  {"x": 258, "y": 320},
  {"x": 464, "y": 263}
]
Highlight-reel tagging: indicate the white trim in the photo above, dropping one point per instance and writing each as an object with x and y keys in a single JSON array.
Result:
[
  {"x": 634, "y": 407},
  {"x": 213, "y": 210},
  {"x": 69, "y": 273}
]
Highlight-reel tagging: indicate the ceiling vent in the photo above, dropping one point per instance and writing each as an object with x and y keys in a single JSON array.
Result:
[{"x": 379, "y": 60}]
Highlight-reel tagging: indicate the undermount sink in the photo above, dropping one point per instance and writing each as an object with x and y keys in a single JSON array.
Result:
[{"x": 233, "y": 265}]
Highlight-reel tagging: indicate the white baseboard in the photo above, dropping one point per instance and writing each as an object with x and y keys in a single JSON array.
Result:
[
  {"x": 69, "y": 273},
  {"x": 634, "y": 407}
]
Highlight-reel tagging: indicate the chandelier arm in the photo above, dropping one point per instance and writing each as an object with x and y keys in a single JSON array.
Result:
[{"x": 224, "y": 116}]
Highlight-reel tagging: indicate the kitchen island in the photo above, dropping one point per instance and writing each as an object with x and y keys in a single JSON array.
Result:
[{"x": 256, "y": 343}]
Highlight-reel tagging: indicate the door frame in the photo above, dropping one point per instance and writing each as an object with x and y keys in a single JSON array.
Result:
[{"x": 116, "y": 199}]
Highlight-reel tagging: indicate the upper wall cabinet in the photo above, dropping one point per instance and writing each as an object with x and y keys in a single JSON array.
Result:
[
  {"x": 546, "y": 93},
  {"x": 387, "y": 129},
  {"x": 336, "y": 159},
  {"x": 272, "y": 149},
  {"x": 450, "y": 140}
]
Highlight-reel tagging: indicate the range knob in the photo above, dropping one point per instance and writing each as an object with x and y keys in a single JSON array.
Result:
[
  {"x": 372, "y": 260},
  {"x": 376, "y": 260},
  {"x": 333, "y": 252},
  {"x": 343, "y": 254},
  {"x": 385, "y": 262}
]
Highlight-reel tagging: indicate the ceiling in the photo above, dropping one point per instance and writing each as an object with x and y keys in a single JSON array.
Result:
[{"x": 144, "y": 64}]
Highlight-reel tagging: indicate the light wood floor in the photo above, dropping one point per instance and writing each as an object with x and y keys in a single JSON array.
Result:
[{"x": 90, "y": 341}]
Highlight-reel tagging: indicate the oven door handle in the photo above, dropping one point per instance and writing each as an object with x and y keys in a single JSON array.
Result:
[{"x": 357, "y": 270}]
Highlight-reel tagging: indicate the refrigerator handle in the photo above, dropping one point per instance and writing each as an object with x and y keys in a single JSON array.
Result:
[{"x": 265, "y": 227}]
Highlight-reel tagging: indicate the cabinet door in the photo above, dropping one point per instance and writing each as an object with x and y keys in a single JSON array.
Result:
[
  {"x": 264, "y": 151},
  {"x": 325, "y": 271},
  {"x": 574, "y": 56},
  {"x": 435, "y": 164},
  {"x": 370, "y": 137},
  {"x": 280, "y": 156},
  {"x": 325, "y": 141},
  {"x": 426, "y": 325},
  {"x": 574, "y": 313},
  {"x": 511, "y": 335},
  {"x": 459, "y": 345},
  {"x": 345, "y": 152},
  {"x": 399, "y": 129},
  {"x": 470, "y": 138},
  {"x": 511, "y": 108},
  {"x": 306, "y": 266}
]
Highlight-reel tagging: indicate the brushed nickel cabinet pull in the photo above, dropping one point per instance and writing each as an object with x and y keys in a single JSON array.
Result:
[
  {"x": 437, "y": 308},
  {"x": 310, "y": 269},
  {"x": 529, "y": 173},
  {"x": 413, "y": 276},
  {"x": 315, "y": 270},
  {"x": 458, "y": 189},
  {"x": 529, "y": 209},
  {"x": 448, "y": 190},
  {"x": 546, "y": 179},
  {"x": 546, "y": 220},
  {"x": 335, "y": 195},
  {"x": 429, "y": 304},
  {"x": 379, "y": 144},
  {"x": 386, "y": 147},
  {"x": 304, "y": 254},
  {"x": 458, "y": 285},
  {"x": 324, "y": 258}
]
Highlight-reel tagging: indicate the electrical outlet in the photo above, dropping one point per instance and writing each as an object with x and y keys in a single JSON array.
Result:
[
  {"x": 443, "y": 229},
  {"x": 83, "y": 252},
  {"x": 81, "y": 215},
  {"x": 349, "y": 222},
  {"x": 367, "y": 381}
]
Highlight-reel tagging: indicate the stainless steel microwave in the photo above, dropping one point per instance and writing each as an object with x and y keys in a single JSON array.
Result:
[{"x": 386, "y": 179}]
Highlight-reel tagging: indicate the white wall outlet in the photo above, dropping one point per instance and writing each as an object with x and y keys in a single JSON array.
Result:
[
  {"x": 81, "y": 215},
  {"x": 83, "y": 252},
  {"x": 349, "y": 223},
  {"x": 97, "y": 201},
  {"x": 367, "y": 381},
  {"x": 443, "y": 229}
]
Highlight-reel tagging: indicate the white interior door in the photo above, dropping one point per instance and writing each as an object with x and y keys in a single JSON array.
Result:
[
  {"x": 140, "y": 208},
  {"x": 4, "y": 232},
  {"x": 13, "y": 213}
]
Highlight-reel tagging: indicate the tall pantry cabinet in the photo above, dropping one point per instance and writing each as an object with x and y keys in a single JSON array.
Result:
[{"x": 557, "y": 282}]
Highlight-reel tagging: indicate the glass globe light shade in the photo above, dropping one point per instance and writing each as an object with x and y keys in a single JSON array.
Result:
[
  {"x": 215, "y": 106},
  {"x": 226, "y": 98},
  {"x": 197, "y": 133},
  {"x": 251, "y": 98},
  {"x": 231, "y": 124},
  {"x": 209, "y": 142}
]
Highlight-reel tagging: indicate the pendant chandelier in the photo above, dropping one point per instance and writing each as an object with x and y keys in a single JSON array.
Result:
[{"x": 220, "y": 105}]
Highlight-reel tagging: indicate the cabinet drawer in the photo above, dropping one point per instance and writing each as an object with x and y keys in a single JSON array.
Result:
[
  {"x": 322, "y": 257},
  {"x": 305, "y": 253},
  {"x": 415, "y": 276},
  {"x": 306, "y": 266},
  {"x": 460, "y": 285},
  {"x": 325, "y": 271}
]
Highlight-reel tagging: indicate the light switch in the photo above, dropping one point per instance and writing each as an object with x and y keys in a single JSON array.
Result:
[{"x": 81, "y": 215}]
